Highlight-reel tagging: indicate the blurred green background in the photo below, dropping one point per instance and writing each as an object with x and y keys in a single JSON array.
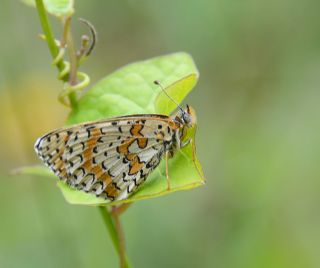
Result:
[{"x": 258, "y": 110}]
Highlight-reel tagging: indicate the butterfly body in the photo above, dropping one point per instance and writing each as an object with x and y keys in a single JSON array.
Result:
[{"x": 112, "y": 158}]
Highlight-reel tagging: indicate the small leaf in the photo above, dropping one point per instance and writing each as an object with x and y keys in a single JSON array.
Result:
[
  {"x": 58, "y": 8},
  {"x": 76, "y": 197},
  {"x": 34, "y": 170},
  {"x": 131, "y": 90}
]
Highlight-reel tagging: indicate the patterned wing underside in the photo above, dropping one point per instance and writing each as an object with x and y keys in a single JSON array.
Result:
[{"x": 109, "y": 158}]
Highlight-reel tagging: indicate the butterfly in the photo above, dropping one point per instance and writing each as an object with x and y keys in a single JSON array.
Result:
[{"x": 111, "y": 158}]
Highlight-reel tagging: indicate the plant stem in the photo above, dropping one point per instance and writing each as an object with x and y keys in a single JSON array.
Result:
[
  {"x": 115, "y": 234},
  {"x": 120, "y": 238},
  {"x": 73, "y": 62},
  {"x": 54, "y": 49}
]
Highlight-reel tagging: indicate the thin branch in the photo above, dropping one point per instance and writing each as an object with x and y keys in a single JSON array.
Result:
[
  {"x": 73, "y": 61},
  {"x": 54, "y": 49},
  {"x": 116, "y": 218},
  {"x": 115, "y": 236},
  {"x": 93, "y": 36}
]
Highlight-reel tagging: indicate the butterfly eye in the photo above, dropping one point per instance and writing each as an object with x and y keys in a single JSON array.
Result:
[{"x": 186, "y": 118}]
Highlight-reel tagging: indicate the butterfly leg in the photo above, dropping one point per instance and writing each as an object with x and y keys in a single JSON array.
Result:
[
  {"x": 183, "y": 144},
  {"x": 167, "y": 170},
  {"x": 193, "y": 150},
  {"x": 194, "y": 158}
]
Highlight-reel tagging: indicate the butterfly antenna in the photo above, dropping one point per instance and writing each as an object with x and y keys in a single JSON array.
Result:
[{"x": 165, "y": 92}]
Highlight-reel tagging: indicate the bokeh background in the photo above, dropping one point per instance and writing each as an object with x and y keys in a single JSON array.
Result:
[{"x": 258, "y": 138}]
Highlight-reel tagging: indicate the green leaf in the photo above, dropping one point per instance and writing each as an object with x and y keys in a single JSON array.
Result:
[
  {"x": 34, "y": 170},
  {"x": 58, "y": 8},
  {"x": 131, "y": 90},
  {"x": 78, "y": 197}
]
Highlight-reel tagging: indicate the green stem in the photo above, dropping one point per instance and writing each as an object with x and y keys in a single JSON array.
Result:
[
  {"x": 110, "y": 225},
  {"x": 54, "y": 49},
  {"x": 73, "y": 63},
  {"x": 122, "y": 255}
]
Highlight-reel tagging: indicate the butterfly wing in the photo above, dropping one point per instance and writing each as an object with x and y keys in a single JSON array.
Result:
[{"x": 109, "y": 158}]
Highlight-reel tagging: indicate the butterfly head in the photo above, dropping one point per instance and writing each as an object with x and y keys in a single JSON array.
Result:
[
  {"x": 187, "y": 125},
  {"x": 188, "y": 116}
]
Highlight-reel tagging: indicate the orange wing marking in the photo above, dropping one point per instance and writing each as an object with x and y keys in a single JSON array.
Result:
[
  {"x": 135, "y": 165},
  {"x": 142, "y": 143},
  {"x": 135, "y": 130},
  {"x": 124, "y": 148},
  {"x": 111, "y": 191}
]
